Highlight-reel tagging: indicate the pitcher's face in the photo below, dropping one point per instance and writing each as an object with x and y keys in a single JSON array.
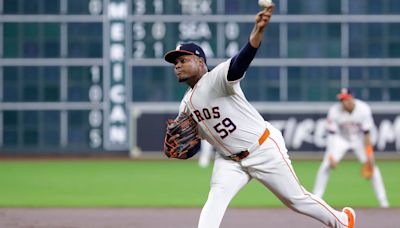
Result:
[{"x": 187, "y": 67}]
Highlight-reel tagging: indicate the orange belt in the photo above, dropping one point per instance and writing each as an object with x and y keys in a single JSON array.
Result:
[
  {"x": 243, "y": 154},
  {"x": 263, "y": 137}
]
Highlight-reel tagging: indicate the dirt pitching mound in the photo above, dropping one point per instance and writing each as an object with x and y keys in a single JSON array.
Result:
[{"x": 176, "y": 218}]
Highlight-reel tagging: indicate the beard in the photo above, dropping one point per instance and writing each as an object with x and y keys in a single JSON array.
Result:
[{"x": 183, "y": 79}]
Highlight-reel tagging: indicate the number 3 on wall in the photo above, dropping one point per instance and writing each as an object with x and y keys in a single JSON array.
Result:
[{"x": 225, "y": 127}]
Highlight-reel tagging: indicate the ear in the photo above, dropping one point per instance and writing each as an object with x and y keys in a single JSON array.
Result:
[
  {"x": 204, "y": 63},
  {"x": 201, "y": 59}
]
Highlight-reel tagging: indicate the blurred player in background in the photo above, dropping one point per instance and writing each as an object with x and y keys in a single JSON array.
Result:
[
  {"x": 349, "y": 125},
  {"x": 205, "y": 154},
  {"x": 248, "y": 146}
]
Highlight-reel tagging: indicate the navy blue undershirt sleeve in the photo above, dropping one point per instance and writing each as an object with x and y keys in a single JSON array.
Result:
[{"x": 241, "y": 61}]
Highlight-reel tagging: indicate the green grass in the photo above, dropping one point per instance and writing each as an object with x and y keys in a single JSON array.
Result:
[{"x": 172, "y": 183}]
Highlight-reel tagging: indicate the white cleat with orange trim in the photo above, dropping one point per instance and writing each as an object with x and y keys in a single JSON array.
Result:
[{"x": 351, "y": 216}]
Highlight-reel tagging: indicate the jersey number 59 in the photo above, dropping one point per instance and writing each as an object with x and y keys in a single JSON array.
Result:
[{"x": 225, "y": 127}]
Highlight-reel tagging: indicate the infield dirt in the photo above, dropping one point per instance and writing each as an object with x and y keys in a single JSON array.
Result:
[{"x": 176, "y": 218}]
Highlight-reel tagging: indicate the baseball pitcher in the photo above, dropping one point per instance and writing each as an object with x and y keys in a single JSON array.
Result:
[{"x": 248, "y": 147}]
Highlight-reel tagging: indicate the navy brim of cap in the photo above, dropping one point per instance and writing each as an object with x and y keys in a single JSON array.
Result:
[{"x": 173, "y": 55}]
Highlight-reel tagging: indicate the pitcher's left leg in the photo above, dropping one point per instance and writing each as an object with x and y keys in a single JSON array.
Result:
[{"x": 227, "y": 179}]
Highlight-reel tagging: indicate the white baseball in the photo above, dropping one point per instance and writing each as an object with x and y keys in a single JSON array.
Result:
[{"x": 264, "y": 3}]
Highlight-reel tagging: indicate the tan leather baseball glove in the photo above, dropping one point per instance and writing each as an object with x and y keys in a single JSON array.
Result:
[{"x": 367, "y": 170}]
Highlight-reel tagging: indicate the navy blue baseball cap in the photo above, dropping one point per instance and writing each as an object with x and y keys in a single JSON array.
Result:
[{"x": 185, "y": 49}]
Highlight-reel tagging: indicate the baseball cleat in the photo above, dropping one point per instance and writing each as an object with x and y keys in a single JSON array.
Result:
[{"x": 351, "y": 216}]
